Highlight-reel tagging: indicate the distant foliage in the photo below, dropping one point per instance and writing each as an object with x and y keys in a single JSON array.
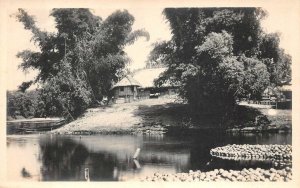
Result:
[
  {"x": 77, "y": 64},
  {"x": 22, "y": 105},
  {"x": 157, "y": 55},
  {"x": 217, "y": 55}
]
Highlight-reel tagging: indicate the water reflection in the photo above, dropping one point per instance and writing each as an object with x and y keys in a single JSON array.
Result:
[
  {"x": 61, "y": 159},
  {"x": 109, "y": 158},
  {"x": 23, "y": 153}
]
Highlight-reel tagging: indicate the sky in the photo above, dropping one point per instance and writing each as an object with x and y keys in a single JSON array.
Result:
[{"x": 280, "y": 19}]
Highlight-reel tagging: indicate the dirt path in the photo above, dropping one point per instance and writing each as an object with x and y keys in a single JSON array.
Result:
[{"x": 118, "y": 117}]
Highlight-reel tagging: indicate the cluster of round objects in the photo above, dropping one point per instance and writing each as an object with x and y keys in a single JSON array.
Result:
[
  {"x": 276, "y": 153},
  {"x": 245, "y": 175}
]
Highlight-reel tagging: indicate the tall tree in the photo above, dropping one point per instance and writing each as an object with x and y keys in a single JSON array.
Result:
[
  {"x": 78, "y": 63},
  {"x": 217, "y": 55}
]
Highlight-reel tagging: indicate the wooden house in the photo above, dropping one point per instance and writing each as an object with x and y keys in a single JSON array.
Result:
[
  {"x": 125, "y": 90},
  {"x": 269, "y": 95}
]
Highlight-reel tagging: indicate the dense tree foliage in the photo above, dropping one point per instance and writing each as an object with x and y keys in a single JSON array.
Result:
[
  {"x": 20, "y": 105},
  {"x": 219, "y": 54},
  {"x": 77, "y": 64},
  {"x": 278, "y": 63}
]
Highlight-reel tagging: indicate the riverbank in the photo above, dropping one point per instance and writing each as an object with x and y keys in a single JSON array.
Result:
[
  {"x": 156, "y": 116},
  {"x": 144, "y": 116},
  {"x": 265, "y": 120}
]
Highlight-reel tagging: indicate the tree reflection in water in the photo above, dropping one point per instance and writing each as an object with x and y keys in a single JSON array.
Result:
[
  {"x": 64, "y": 159},
  {"x": 109, "y": 157}
]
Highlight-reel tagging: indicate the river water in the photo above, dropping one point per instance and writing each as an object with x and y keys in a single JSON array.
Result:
[{"x": 47, "y": 157}]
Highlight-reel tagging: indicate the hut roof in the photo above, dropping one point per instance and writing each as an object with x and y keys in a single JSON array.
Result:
[
  {"x": 147, "y": 76},
  {"x": 127, "y": 81}
]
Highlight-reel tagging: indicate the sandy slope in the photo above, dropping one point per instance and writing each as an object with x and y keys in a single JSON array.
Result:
[{"x": 116, "y": 117}]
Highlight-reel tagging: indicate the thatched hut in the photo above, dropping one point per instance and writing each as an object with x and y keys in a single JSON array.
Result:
[
  {"x": 270, "y": 94},
  {"x": 125, "y": 90},
  {"x": 146, "y": 78}
]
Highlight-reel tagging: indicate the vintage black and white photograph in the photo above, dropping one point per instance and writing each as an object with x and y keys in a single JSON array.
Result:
[{"x": 150, "y": 94}]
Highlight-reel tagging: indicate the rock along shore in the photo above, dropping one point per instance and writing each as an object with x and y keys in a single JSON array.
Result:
[{"x": 245, "y": 175}]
